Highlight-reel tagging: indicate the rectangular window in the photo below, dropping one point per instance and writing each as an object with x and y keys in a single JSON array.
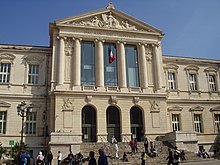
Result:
[
  {"x": 87, "y": 63},
  {"x": 33, "y": 74},
  {"x": 176, "y": 122},
  {"x": 3, "y": 117},
  {"x": 31, "y": 123},
  {"x": 110, "y": 65},
  {"x": 132, "y": 66},
  {"x": 192, "y": 82},
  {"x": 5, "y": 70},
  {"x": 198, "y": 123},
  {"x": 212, "y": 83},
  {"x": 217, "y": 122},
  {"x": 171, "y": 81}
]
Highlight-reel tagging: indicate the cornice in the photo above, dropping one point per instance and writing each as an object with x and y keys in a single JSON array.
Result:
[
  {"x": 38, "y": 49},
  {"x": 189, "y": 60}
]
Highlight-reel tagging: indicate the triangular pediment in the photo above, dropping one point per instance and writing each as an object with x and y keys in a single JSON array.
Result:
[
  {"x": 108, "y": 18},
  {"x": 4, "y": 104}
]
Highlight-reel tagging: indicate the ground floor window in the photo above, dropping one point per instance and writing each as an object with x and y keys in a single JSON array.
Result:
[
  {"x": 31, "y": 123},
  {"x": 217, "y": 122}
]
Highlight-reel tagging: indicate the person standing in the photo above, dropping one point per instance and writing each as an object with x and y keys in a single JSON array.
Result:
[
  {"x": 143, "y": 158},
  {"x": 176, "y": 156},
  {"x": 92, "y": 160},
  {"x": 115, "y": 142},
  {"x": 40, "y": 158},
  {"x": 146, "y": 145},
  {"x": 59, "y": 158},
  {"x": 70, "y": 158},
  {"x": 49, "y": 158},
  {"x": 103, "y": 160},
  {"x": 169, "y": 157}
]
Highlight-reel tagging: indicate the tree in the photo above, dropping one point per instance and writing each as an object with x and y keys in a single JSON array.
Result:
[
  {"x": 3, "y": 151},
  {"x": 217, "y": 147}
]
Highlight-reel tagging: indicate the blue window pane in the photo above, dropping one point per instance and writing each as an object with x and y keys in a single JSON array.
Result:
[
  {"x": 110, "y": 69},
  {"x": 87, "y": 63},
  {"x": 132, "y": 66}
]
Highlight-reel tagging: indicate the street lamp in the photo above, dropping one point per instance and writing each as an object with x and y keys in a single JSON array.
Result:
[{"x": 23, "y": 110}]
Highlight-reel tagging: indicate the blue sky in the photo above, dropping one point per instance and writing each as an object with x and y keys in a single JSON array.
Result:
[{"x": 191, "y": 27}]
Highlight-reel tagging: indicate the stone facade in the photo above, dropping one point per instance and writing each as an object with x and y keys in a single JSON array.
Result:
[{"x": 61, "y": 102}]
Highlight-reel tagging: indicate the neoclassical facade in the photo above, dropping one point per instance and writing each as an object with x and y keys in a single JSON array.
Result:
[{"x": 103, "y": 75}]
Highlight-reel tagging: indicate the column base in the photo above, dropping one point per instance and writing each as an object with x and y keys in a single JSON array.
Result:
[
  {"x": 125, "y": 137},
  {"x": 60, "y": 87},
  {"x": 124, "y": 90},
  {"x": 162, "y": 90},
  {"x": 101, "y": 89},
  {"x": 102, "y": 137},
  {"x": 147, "y": 90},
  {"x": 76, "y": 88}
]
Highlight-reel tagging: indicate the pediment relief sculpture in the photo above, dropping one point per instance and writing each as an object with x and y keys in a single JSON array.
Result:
[
  {"x": 113, "y": 100},
  {"x": 196, "y": 108},
  {"x": 175, "y": 108},
  {"x": 67, "y": 104},
  {"x": 7, "y": 57},
  {"x": 107, "y": 21},
  {"x": 69, "y": 47},
  {"x": 171, "y": 66},
  {"x": 33, "y": 59},
  {"x": 4, "y": 104},
  {"x": 154, "y": 106},
  {"x": 149, "y": 52},
  {"x": 211, "y": 69},
  {"x": 217, "y": 108},
  {"x": 136, "y": 100},
  {"x": 192, "y": 67}
]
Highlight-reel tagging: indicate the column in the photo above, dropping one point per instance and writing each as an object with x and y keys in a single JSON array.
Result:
[
  {"x": 121, "y": 65},
  {"x": 99, "y": 64},
  {"x": 143, "y": 67},
  {"x": 77, "y": 63},
  {"x": 54, "y": 60},
  {"x": 61, "y": 62},
  {"x": 158, "y": 65}
]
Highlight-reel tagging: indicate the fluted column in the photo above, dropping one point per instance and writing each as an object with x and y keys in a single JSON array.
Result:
[
  {"x": 77, "y": 63},
  {"x": 158, "y": 65},
  {"x": 121, "y": 65},
  {"x": 99, "y": 63},
  {"x": 143, "y": 67},
  {"x": 61, "y": 62}
]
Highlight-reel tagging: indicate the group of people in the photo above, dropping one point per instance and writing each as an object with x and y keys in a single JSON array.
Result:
[
  {"x": 23, "y": 158},
  {"x": 175, "y": 157}
]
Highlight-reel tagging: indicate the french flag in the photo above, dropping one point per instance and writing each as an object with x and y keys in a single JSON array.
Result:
[{"x": 111, "y": 56}]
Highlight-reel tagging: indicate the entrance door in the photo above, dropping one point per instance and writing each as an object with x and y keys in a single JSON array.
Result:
[
  {"x": 136, "y": 123},
  {"x": 88, "y": 124},
  {"x": 113, "y": 123}
]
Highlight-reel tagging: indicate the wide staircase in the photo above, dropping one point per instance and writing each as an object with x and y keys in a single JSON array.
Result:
[{"x": 133, "y": 158}]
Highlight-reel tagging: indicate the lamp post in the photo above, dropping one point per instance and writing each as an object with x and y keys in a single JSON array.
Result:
[{"x": 23, "y": 110}]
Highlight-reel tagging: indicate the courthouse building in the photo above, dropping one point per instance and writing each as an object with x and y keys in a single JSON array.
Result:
[{"x": 103, "y": 75}]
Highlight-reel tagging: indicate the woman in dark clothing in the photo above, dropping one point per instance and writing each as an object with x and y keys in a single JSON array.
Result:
[
  {"x": 170, "y": 157},
  {"x": 92, "y": 160},
  {"x": 103, "y": 160}
]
